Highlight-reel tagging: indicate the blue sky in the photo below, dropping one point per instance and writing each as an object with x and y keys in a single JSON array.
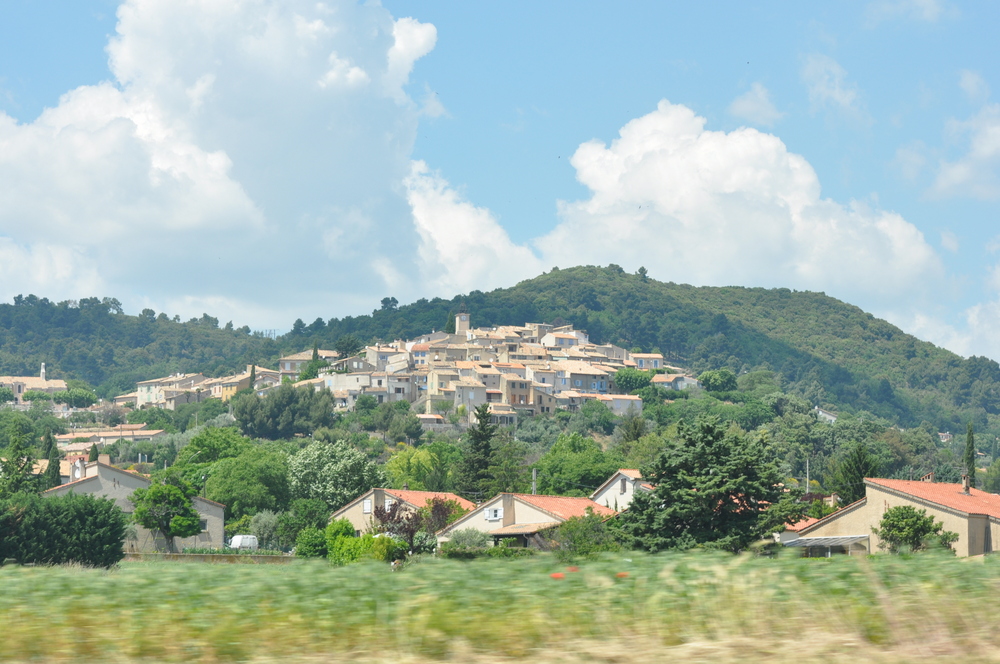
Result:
[{"x": 347, "y": 152}]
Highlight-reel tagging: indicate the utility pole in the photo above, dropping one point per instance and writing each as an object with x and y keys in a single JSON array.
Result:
[
  {"x": 807, "y": 474},
  {"x": 534, "y": 481}
]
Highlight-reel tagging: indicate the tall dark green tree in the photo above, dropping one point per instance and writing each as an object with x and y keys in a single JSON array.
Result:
[
  {"x": 48, "y": 443},
  {"x": 712, "y": 486},
  {"x": 850, "y": 472},
  {"x": 52, "y": 477},
  {"x": 969, "y": 457},
  {"x": 253, "y": 375},
  {"x": 16, "y": 463},
  {"x": 473, "y": 472},
  {"x": 93, "y": 455}
]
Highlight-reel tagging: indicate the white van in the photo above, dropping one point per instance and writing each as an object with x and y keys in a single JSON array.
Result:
[{"x": 244, "y": 542}]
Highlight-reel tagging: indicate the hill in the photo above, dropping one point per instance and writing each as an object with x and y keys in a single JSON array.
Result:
[{"x": 830, "y": 352}]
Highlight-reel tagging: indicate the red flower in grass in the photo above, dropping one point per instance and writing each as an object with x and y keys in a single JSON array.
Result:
[
  {"x": 573, "y": 569},
  {"x": 621, "y": 575},
  {"x": 557, "y": 575}
]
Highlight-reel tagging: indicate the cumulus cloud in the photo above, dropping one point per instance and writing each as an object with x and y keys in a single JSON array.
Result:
[
  {"x": 246, "y": 151},
  {"x": 949, "y": 241},
  {"x": 709, "y": 207},
  {"x": 829, "y": 87},
  {"x": 973, "y": 85},
  {"x": 974, "y": 173},
  {"x": 755, "y": 106}
]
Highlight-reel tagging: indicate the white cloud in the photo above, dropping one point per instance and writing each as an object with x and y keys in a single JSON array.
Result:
[
  {"x": 462, "y": 247},
  {"x": 921, "y": 10},
  {"x": 949, "y": 241},
  {"x": 828, "y": 86},
  {"x": 756, "y": 107},
  {"x": 708, "y": 207},
  {"x": 974, "y": 173},
  {"x": 974, "y": 86},
  {"x": 246, "y": 151},
  {"x": 910, "y": 160}
]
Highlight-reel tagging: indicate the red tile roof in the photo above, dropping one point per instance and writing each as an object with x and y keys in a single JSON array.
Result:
[
  {"x": 946, "y": 495},
  {"x": 631, "y": 472},
  {"x": 805, "y": 523},
  {"x": 565, "y": 507},
  {"x": 421, "y": 498}
]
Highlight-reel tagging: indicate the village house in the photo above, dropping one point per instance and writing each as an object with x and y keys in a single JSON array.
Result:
[
  {"x": 675, "y": 381},
  {"x": 103, "y": 480},
  {"x": 154, "y": 392},
  {"x": 648, "y": 361},
  {"x": 520, "y": 518},
  {"x": 361, "y": 511},
  {"x": 21, "y": 384},
  {"x": 617, "y": 492},
  {"x": 290, "y": 366}
]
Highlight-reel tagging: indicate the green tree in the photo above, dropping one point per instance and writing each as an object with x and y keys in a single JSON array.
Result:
[
  {"x": 348, "y": 345},
  {"x": 718, "y": 380},
  {"x": 629, "y": 379},
  {"x": 15, "y": 468},
  {"x": 36, "y": 395},
  {"x": 52, "y": 476},
  {"x": 969, "y": 457},
  {"x": 76, "y": 398},
  {"x": 574, "y": 466},
  {"x": 303, "y": 513},
  {"x": 711, "y": 486},
  {"x": 904, "y": 526},
  {"x": 848, "y": 477},
  {"x": 310, "y": 543},
  {"x": 48, "y": 444},
  {"x": 254, "y": 481},
  {"x": 473, "y": 472},
  {"x": 6, "y": 395},
  {"x": 583, "y": 537},
  {"x": 335, "y": 473},
  {"x": 991, "y": 482},
  {"x": 93, "y": 454},
  {"x": 166, "y": 509},
  {"x": 213, "y": 444},
  {"x": 508, "y": 471}
]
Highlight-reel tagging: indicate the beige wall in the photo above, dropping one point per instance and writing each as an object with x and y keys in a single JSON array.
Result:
[{"x": 612, "y": 496}]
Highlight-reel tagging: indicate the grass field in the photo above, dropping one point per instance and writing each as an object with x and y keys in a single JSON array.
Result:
[{"x": 626, "y": 608}]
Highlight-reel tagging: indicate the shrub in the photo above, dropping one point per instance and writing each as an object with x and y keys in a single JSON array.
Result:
[
  {"x": 55, "y": 530},
  {"x": 424, "y": 542},
  {"x": 469, "y": 538},
  {"x": 582, "y": 536},
  {"x": 310, "y": 543}
]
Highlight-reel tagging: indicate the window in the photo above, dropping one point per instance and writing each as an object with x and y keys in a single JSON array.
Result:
[
  {"x": 578, "y": 383},
  {"x": 494, "y": 513},
  {"x": 472, "y": 395},
  {"x": 389, "y": 502},
  {"x": 366, "y": 506},
  {"x": 203, "y": 524},
  {"x": 622, "y": 488}
]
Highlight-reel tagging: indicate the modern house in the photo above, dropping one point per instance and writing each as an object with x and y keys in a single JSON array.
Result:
[
  {"x": 520, "y": 517},
  {"x": 101, "y": 479}
]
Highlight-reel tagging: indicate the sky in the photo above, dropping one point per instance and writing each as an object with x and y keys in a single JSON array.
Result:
[{"x": 267, "y": 160}]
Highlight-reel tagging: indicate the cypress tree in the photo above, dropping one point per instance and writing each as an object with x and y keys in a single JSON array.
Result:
[
  {"x": 48, "y": 444},
  {"x": 849, "y": 477},
  {"x": 969, "y": 458},
  {"x": 474, "y": 470},
  {"x": 53, "y": 477},
  {"x": 253, "y": 375},
  {"x": 93, "y": 453},
  {"x": 315, "y": 350}
]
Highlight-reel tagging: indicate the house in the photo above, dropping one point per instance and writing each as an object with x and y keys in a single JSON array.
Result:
[
  {"x": 21, "y": 384},
  {"x": 520, "y": 517},
  {"x": 675, "y": 381},
  {"x": 647, "y": 361},
  {"x": 87, "y": 437},
  {"x": 101, "y": 479},
  {"x": 290, "y": 366},
  {"x": 361, "y": 510},
  {"x": 617, "y": 492},
  {"x": 154, "y": 392},
  {"x": 973, "y": 514},
  {"x": 825, "y": 415},
  {"x": 621, "y": 404}
]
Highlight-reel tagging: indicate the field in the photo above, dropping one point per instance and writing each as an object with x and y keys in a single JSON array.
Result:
[{"x": 625, "y": 608}]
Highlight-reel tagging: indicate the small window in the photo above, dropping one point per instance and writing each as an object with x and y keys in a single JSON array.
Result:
[
  {"x": 623, "y": 484},
  {"x": 494, "y": 513},
  {"x": 366, "y": 506},
  {"x": 389, "y": 502},
  {"x": 203, "y": 524}
]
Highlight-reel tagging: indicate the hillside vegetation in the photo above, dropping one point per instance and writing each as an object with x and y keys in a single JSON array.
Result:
[{"x": 829, "y": 352}]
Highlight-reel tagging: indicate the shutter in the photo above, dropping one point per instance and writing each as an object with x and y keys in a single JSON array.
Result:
[
  {"x": 486, "y": 513},
  {"x": 499, "y": 513},
  {"x": 366, "y": 506}
]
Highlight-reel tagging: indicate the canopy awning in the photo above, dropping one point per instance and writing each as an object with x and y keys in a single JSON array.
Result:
[{"x": 842, "y": 540}]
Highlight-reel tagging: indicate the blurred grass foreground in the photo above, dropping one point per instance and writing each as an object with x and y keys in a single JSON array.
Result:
[{"x": 622, "y": 608}]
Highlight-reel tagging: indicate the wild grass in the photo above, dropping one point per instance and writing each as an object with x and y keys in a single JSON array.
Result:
[{"x": 622, "y": 608}]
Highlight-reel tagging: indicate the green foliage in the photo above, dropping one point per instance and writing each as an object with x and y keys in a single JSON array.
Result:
[
  {"x": 472, "y": 475},
  {"x": 469, "y": 538},
  {"x": 166, "y": 508},
  {"x": 348, "y": 345},
  {"x": 711, "y": 486},
  {"x": 310, "y": 543},
  {"x": 718, "y": 380},
  {"x": 6, "y": 395},
  {"x": 905, "y": 527},
  {"x": 594, "y": 416},
  {"x": 849, "y": 475},
  {"x": 36, "y": 395},
  {"x": 312, "y": 368},
  {"x": 57, "y": 530},
  {"x": 264, "y": 525},
  {"x": 283, "y": 412},
  {"x": 575, "y": 466},
  {"x": 76, "y": 398},
  {"x": 508, "y": 471},
  {"x": 969, "y": 456},
  {"x": 93, "y": 454},
  {"x": 15, "y": 468},
  {"x": 213, "y": 444},
  {"x": 240, "y": 526},
  {"x": 583, "y": 537},
  {"x": 335, "y": 473},
  {"x": 255, "y": 480},
  {"x": 629, "y": 379},
  {"x": 303, "y": 513},
  {"x": 52, "y": 476}
]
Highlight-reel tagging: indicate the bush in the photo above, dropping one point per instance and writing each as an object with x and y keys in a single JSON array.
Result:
[
  {"x": 424, "y": 542},
  {"x": 504, "y": 550},
  {"x": 582, "y": 536},
  {"x": 56, "y": 530},
  {"x": 469, "y": 538},
  {"x": 310, "y": 543}
]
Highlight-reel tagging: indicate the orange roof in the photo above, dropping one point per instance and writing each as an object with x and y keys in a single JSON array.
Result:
[
  {"x": 804, "y": 523},
  {"x": 565, "y": 507},
  {"x": 631, "y": 472},
  {"x": 421, "y": 498},
  {"x": 946, "y": 495}
]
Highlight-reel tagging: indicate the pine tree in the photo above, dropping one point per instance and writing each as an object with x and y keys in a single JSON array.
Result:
[
  {"x": 93, "y": 453},
  {"x": 48, "y": 444},
  {"x": 850, "y": 473},
  {"x": 253, "y": 375},
  {"x": 473, "y": 473},
  {"x": 53, "y": 477},
  {"x": 315, "y": 350},
  {"x": 969, "y": 458},
  {"x": 15, "y": 468}
]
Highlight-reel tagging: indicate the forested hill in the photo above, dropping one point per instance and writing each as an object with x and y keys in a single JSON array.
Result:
[{"x": 832, "y": 353}]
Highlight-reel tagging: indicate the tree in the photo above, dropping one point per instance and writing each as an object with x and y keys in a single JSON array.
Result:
[
  {"x": 93, "y": 454},
  {"x": 213, "y": 444},
  {"x": 166, "y": 509},
  {"x": 508, "y": 471},
  {"x": 718, "y": 380},
  {"x": 629, "y": 379},
  {"x": 6, "y": 395},
  {"x": 969, "y": 457},
  {"x": 15, "y": 468},
  {"x": 335, "y": 473},
  {"x": 264, "y": 525},
  {"x": 473, "y": 471},
  {"x": 348, "y": 345},
  {"x": 52, "y": 477},
  {"x": 850, "y": 472},
  {"x": 303, "y": 513},
  {"x": 711, "y": 486},
  {"x": 398, "y": 521},
  {"x": 254, "y": 481},
  {"x": 253, "y": 376},
  {"x": 904, "y": 526},
  {"x": 583, "y": 536},
  {"x": 36, "y": 395},
  {"x": 48, "y": 444},
  {"x": 76, "y": 398},
  {"x": 574, "y": 466}
]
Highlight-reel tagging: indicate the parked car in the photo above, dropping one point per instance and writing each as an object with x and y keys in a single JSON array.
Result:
[{"x": 244, "y": 542}]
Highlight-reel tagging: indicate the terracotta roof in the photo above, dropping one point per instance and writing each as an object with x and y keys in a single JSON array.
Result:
[
  {"x": 631, "y": 472},
  {"x": 796, "y": 527},
  {"x": 421, "y": 498},
  {"x": 946, "y": 495},
  {"x": 525, "y": 528},
  {"x": 565, "y": 507}
]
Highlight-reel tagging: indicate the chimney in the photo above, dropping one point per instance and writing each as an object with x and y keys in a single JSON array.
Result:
[
  {"x": 965, "y": 484},
  {"x": 42, "y": 375}
]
